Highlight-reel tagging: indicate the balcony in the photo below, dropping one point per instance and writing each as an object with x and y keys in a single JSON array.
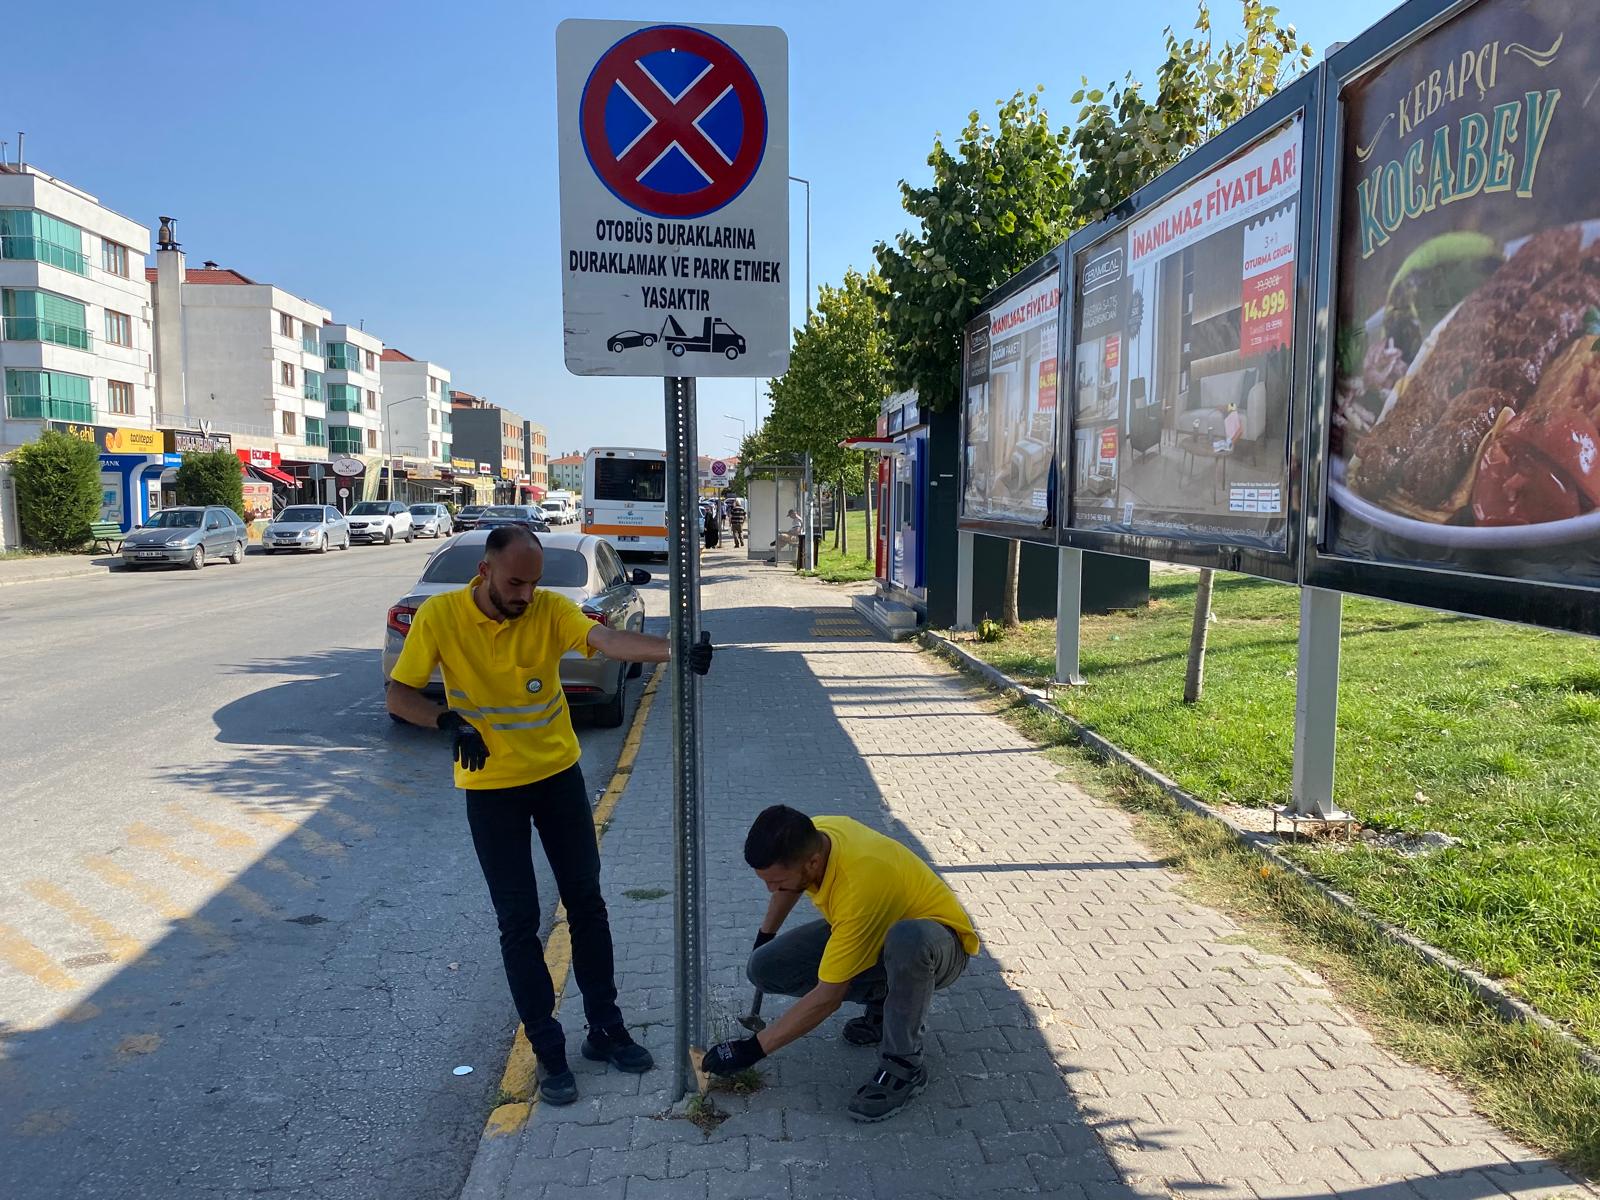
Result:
[
  {"x": 342, "y": 356},
  {"x": 316, "y": 433},
  {"x": 344, "y": 441},
  {"x": 309, "y": 342},
  {"x": 47, "y": 408},
  {"x": 312, "y": 389},
  {"x": 28, "y": 248},
  {"x": 38, "y": 329},
  {"x": 344, "y": 398}
]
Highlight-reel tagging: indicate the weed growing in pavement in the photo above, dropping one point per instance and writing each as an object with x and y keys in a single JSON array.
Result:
[
  {"x": 645, "y": 893},
  {"x": 702, "y": 1112}
]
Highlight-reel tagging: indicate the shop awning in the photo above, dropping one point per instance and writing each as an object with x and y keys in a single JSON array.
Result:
[
  {"x": 275, "y": 475},
  {"x": 884, "y": 445}
]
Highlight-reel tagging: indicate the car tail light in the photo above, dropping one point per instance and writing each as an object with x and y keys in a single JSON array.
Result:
[
  {"x": 588, "y": 516},
  {"x": 596, "y": 617},
  {"x": 400, "y": 619}
]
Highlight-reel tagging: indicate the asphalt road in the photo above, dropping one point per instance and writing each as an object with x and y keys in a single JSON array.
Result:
[{"x": 244, "y": 941}]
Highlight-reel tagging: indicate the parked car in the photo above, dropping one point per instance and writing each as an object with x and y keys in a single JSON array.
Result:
[
  {"x": 584, "y": 569},
  {"x": 431, "y": 520},
  {"x": 513, "y": 514},
  {"x": 381, "y": 521},
  {"x": 467, "y": 516},
  {"x": 306, "y": 527},
  {"x": 559, "y": 512},
  {"x": 187, "y": 537}
]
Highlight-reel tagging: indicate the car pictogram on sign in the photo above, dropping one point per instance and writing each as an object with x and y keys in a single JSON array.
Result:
[
  {"x": 673, "y": 122},
  {"x": 716, "y": 336}
]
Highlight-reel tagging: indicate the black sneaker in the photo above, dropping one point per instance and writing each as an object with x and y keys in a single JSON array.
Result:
[
  {"x": 556, "y": 1087},
  {"x": 616, "y": 1047},
  {"x": 865, "y": 1030}
]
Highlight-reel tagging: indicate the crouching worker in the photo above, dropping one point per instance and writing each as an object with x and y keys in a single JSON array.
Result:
[{"x": 892, "y": 933}]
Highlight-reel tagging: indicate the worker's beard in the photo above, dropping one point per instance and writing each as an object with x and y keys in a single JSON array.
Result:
[{"x": 509, "y": 609}]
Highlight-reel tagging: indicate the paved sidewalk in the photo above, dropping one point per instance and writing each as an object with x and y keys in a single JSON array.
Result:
[
  {"x": 46, "y": 567},
  {"x": 1113, "y": 1040}
]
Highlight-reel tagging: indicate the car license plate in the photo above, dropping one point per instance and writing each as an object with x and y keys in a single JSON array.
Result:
[
  {"x": 150, "y": 554},
  {"x": 627, "y": 537}
]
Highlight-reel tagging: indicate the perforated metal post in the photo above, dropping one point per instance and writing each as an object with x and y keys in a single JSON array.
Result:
[
  {"x": 1069, "y": 613},
  {"x": 1316, "y": 705},
  {"x": 688, "y": 827}
]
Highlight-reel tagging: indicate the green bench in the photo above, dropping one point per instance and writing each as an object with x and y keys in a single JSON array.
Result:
[{"x": 105, "y": 532}]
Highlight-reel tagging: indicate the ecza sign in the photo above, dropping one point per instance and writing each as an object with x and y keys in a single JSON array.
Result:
[{"x": 674, "y": 151}]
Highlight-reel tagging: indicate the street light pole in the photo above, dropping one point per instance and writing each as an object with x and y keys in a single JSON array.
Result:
[
  {"x": 743, "y": 429},
  {"x": 388, "y": 438},
  {"x": 807, "y": 182}
]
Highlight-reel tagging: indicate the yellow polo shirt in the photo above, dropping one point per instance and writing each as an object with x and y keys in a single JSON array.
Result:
[
  {"x": 504, "y": 677},
  {"x": 872, "y": 881}
]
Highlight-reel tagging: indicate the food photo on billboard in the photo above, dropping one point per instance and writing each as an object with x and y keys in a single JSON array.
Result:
[
  {"x": 1183, "y": 365},
  {"x": 1011, "y": 355},
  {"x": 1462, "y": 431}
]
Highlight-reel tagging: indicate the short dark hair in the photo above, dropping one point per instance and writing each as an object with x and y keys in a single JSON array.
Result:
[
  {"x": 781, "y": 835},
  {"x": 502, "y": 536}
]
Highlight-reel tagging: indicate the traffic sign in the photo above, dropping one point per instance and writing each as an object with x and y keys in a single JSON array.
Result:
[
  {"x": 674, "y": 154},
  {"x": 719, "y": 468}
]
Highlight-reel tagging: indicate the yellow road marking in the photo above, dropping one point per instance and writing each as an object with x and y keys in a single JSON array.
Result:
[
  {"x": 118, "y": 944},
  {"x": 160, "y": 901},
  {"x": 310, "y": 839},
  {"x": 145, "y": 838},
  {"x": 224, "y": 835},
  {"x": 517, "y": 1080},
  {"x": 33, "y": 962},
  {"x": 359, "y": 828}
]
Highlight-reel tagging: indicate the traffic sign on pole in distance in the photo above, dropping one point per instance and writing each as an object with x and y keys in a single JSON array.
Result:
[{"x": 674, "y": 152}]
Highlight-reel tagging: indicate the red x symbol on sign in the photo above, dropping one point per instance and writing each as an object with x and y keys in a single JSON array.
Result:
[{"x": 673, "y": 122}]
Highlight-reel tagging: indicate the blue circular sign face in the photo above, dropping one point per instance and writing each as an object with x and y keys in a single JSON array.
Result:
[{"x": 673, "y": 122}]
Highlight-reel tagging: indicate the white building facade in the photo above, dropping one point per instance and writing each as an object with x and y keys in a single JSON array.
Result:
[
  {"x": 352, "y": 387},
  {"x": 416, "y": 408},
  {"x": 76, "y": 344}
]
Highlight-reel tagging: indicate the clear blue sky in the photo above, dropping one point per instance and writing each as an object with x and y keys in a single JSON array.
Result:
[{"x": 396, "y": 162}]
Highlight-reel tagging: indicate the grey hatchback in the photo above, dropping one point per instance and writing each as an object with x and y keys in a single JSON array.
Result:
[
  {"x": 584, "y": 569},
  {"x": 186, "y": 537}
]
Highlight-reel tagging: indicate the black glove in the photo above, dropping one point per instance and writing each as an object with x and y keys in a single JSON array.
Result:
[
  {"x": 700, "y": 655},
  {"x": 729, "y": 1058},
  {"x": 467, "y": 746},
  {"x": 762, "y": 938}
]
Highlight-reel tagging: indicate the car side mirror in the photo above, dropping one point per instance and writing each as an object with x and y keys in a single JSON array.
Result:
[{"x": 640, "y": 577}]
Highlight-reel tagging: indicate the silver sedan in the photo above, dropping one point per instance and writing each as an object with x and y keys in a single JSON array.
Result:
[
  {"x": 432, "y": 520},
  {"x": 307, "y": 527},
  {"x": 584, "y": 569}
]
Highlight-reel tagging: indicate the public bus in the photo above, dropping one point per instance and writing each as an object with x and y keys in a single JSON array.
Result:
[{"x": 625, "y": 498}]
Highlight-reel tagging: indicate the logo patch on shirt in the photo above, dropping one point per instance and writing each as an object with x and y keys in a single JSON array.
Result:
[{"x": 535, "y": 686}]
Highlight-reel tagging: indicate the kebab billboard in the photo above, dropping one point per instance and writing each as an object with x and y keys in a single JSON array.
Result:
[
  {"x": 1190, "y": 339},
  {"x": 1010, "y": 356},
  {"x": 1458, "y": 448}
]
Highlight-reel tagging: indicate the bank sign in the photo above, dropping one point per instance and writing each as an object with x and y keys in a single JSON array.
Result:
[{"x": 674, "y": 156}]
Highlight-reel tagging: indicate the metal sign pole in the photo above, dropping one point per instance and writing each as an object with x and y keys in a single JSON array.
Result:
[{"x": 683, "y": 533}]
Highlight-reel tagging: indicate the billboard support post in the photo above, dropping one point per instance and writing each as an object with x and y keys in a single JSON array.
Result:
[
  {"x": 688, "y": 836},
  {"x": 964, "y": 552},
  {"x": 1316, "y": 706},
  {"x": 1069, "y": 613}
]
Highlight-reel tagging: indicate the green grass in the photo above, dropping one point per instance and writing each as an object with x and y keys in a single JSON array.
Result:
[
  {"x": 1484, "y": 731},
  {"x": 834, "y": 566},
  {"x": 645, "y": 893}
]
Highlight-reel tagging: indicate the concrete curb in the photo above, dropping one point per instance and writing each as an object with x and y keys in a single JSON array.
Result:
[
  {"x": 64, "y": 573},
  {"x": 1508, "y": 1007}
]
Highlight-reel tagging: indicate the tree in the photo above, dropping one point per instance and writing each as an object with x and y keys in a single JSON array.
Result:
[
  {"x": 211, "y": 477},
  {"x": 58, "y": 490}
]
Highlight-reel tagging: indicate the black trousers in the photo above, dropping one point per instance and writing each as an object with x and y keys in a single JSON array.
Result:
[{"x": 558, "y": 808}]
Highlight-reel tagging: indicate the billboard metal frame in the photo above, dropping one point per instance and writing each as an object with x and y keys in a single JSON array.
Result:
[
  {"x": 1033, "y": 273},
  {"x": 1303, "y": 96},
  {"x": 1549, "y": 605}
]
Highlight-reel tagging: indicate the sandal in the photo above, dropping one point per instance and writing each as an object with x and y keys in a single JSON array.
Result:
[
  {"x": 865, "y": 1030},
  {"x": 895, "y": 1085}
]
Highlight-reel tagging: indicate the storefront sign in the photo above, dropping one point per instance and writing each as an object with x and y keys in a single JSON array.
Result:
[
  {"x": 1463, "y": 436},
  {"x": 259, "y": 458},
  {"x": 1185, "y": 357},
  {"x": 113, "y": 439},
  {"x": 203, "y": 441},
  {"x": 347, "y": 467},
  {"x": 463, "y": 464},
  {"x": 1010, "y": 362}
]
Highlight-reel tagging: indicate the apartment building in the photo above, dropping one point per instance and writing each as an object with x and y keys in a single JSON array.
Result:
[
  {"x": 352, "y": 388},
  {"x": 244, "y": 355},
  {"x": 566, "y": 473},
  {"x": 415, "y": 403},
  {"x": 75, "y": 324},
  {"x": 495, "y": 437},
  {"x": 536, "y": 455}
]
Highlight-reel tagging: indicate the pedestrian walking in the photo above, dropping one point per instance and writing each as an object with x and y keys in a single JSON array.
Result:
[
  {"x": 892, "y": 933},
  {"x": 736, "y": 521},
  {"x": 499, "y": 642}
]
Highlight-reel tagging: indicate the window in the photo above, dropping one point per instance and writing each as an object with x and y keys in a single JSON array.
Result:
[
  {"x": 372, "y": 401},
  {"x": 342, "y": 356},
  {"x": 28, "y": 234},
  {"x": 310, "y": 338},
  {"x": 344, "y": 397},
  {"x": 48, "y": 395},
  {"x": 286, "y": 325},
  {"x": 119, "y": 328},
  {"x": 344, "y": 441},
  {"x": 372, "y": 361},
  {"x": 286, "y": 374},
  {"x": 433, "y": 385},
  {"x": 313, "y": 386},
  {"x": 433, "y": 449},
  {"x": 43, "y": 317},
  {"x": 433, "y": 416},
  {"x": 372, "y": 439},
  {"x": 288, "y": 423},
  {"x": 119, "y": 397},
  {"x": 114, "y": 258},
  {"x": 316, "y": 432}
]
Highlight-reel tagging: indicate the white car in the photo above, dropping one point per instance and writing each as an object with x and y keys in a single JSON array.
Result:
[
  {"x": 432, "y": 520},
  {"x": 381, "y": 521},
  {"x": 558, "y": 512}
]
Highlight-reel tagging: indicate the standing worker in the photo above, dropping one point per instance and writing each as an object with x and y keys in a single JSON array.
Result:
[
  {"x": 892, "y": 933},
  {"x": 499, "y": 641}
]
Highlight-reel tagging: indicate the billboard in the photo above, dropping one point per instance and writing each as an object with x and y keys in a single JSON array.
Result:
[
  {"x": 1458, "y": 449},
  {"x": 1010, "y": 368},
  {"x": 1189, "y": 335}
]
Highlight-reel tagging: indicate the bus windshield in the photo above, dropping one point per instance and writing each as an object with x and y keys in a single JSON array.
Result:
[{"x": 639, "y": 480}]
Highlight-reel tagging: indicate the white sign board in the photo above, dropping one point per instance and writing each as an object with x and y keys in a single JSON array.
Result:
[{"x": 674, "y": 144}]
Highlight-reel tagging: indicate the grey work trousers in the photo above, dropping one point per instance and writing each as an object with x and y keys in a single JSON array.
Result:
[{"x": 918, "y": 959}]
